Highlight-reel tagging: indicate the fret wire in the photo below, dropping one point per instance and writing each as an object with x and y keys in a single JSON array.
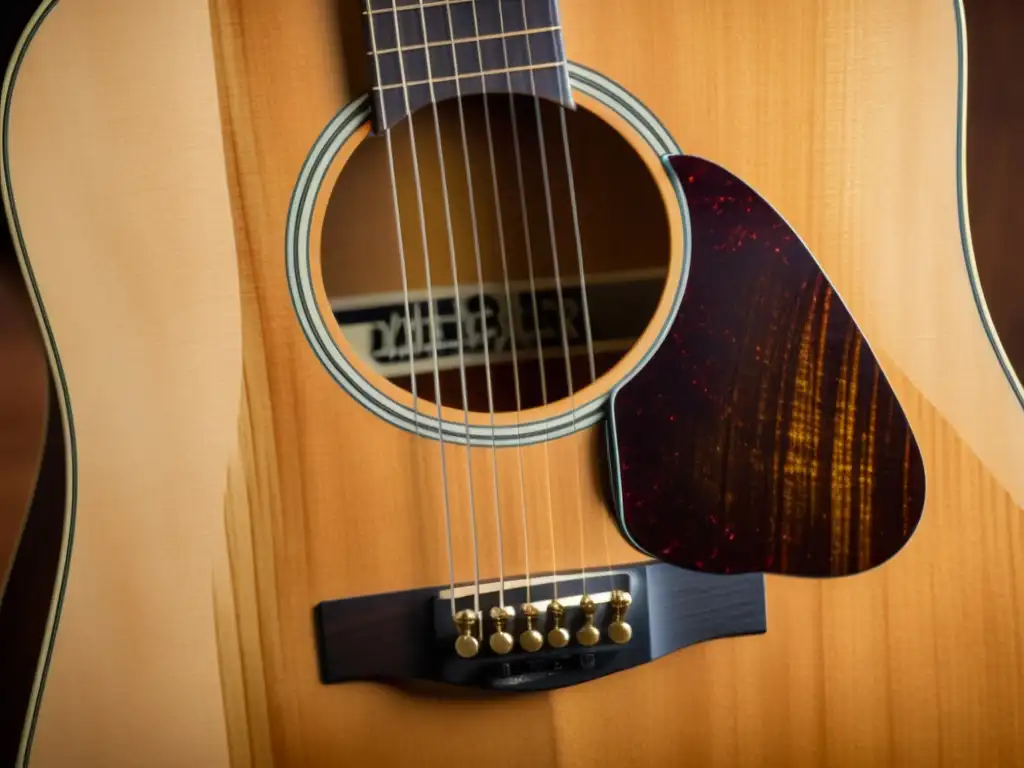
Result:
[
  {"x": 460, "y": 40},
  {"x": 416, "y": 7},
  {"x": 464, "y": 75}
]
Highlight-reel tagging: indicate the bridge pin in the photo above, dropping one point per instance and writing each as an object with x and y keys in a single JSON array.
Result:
[
  {"x": 466, "y": 645},
  {"x": 501, "y": 641},
  {"x": 531, "y": 640},
  {"x": 588, "y": 634},
  {"x": 558, "y": 637},
  {"x": 620, "y": 632}
]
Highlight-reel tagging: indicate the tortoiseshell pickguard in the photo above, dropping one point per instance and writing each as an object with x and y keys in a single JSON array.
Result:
[{"x": 762, "y": 434}]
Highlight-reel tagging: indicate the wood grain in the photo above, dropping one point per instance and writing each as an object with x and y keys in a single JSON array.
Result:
[
  {"x": 225, "y": 484},
  {"x": 136, "y": 632}
]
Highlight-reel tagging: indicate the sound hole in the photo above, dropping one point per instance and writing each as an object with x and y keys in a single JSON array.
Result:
[{"x": 623, "y": 231}]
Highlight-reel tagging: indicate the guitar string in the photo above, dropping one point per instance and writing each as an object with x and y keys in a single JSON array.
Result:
[
  {"x": 483, "y": 305},
  {"x": 546, "y": 176},
  {"x": 524, "y": 213},
  {"x": 406, "y": 300},
  {"x": 589, "y": 338},
  {"x": 588, "y": 331},
  {"x": 430, "y": 316},
  {"x": 458, "y": 316},
  {"x": 513, "y": 342}
]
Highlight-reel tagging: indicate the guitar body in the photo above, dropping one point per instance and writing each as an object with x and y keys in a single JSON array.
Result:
[{"x": 186, "y": 227}]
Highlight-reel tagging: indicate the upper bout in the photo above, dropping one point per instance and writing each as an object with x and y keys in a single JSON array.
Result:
[{"x": 849, "y": 119}]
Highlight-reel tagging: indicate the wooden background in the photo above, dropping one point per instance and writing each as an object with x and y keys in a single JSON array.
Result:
[{"x": 995, "y": 166}]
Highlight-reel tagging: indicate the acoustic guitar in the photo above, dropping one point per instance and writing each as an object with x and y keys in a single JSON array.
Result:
[{"x": 536, "y": 382}]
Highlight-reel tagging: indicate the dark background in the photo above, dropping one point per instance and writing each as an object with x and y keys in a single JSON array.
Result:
[
  {"x": 995, "y": 162},
  {"x": 14, "y": 15},
  {"x": 995, "y": 168}
]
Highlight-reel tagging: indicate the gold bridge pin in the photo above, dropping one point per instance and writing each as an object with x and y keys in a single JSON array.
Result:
[
  {"x": 531, "y": 640},
  {"x": 588, "y": 634},
  {"x": 558, "y": 636},
  {"x": 501, "y": 642},
  {"x": 619, "y": 631},
  {"x": 466, "y": 645}
]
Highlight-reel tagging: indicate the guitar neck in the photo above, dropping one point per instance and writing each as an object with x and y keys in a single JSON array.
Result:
[{"x": 427, "y": 51}]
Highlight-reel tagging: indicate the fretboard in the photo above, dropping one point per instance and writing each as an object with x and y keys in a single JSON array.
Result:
[{"x": 492, "y": 46}]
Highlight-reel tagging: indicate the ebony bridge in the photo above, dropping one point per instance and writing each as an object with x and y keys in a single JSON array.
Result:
[{"x": 410, "y": 635}]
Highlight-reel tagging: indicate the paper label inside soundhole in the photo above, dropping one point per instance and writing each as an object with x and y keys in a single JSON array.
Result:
[{"x": 375, "y": 325}]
